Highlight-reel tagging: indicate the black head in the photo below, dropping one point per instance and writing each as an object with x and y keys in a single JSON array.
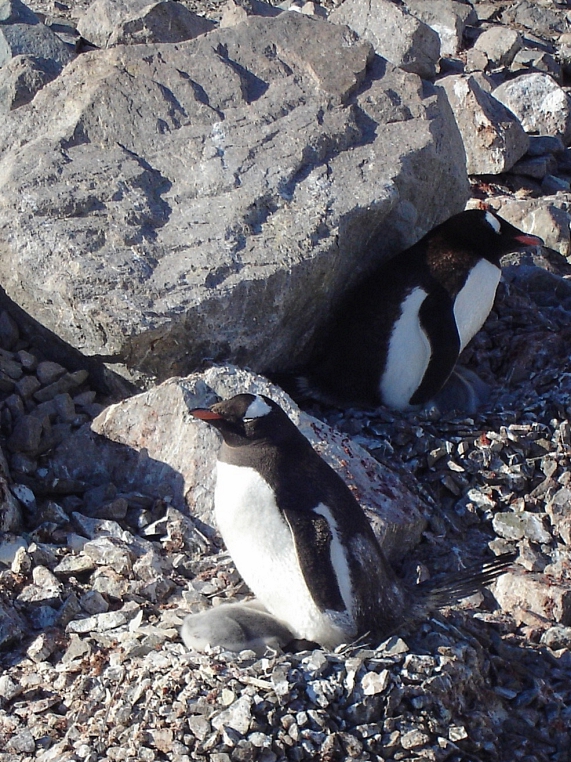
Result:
[
  {"x": 248, "y": 419},
  {"x": 482, "y": 231}
]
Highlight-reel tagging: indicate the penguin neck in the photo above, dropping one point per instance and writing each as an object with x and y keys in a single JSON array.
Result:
[
  {"x": 450, "y": 265},
  {"x": 247, "y": 453}
]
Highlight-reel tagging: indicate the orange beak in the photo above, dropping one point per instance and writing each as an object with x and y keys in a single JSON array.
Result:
[{"x": 205, "y": 414}]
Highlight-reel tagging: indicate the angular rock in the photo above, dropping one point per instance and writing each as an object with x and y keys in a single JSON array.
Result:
[
  {"x": 107, "y": 551},
  {"x": 542, "y": 144},
  {"x": 235, "y": 11},
  {"x": 124, "y": 22},
  {"x": 10, "y": 510},
  {"x": 155, "y": 446},
  {"x": 515, "y": 526},
  {"x": 21, "y": 78},
  {"x": 541, "y": 105},
  {"x": 536, "y": 166},
  {"x": 16, "y": 12},
  {"x": 548, "y": 217},
  {"x": 395, "y": 33},
  {"x": 500, "y": 45},
  {"x": 33, "y": 40},
  {"x": 448, "y": 18},
  {"x": 296, "y": 193},
  {"x": 537, "y": 593},
  {"x": 9, "y": 547},
  {"x": 538, "y": 17},
  {"x": 537, "y": 60},
  {"x": 493, "y": 137}
]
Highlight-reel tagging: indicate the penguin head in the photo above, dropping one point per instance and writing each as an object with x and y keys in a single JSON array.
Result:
[
  {"x": 483, "y": 231},
  {"x": 248, "y": 419}
]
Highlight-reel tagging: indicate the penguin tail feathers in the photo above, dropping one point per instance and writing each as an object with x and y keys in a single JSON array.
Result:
[
  {"x": 294, "y": 384},
  {"x": 450, "y": 589}
]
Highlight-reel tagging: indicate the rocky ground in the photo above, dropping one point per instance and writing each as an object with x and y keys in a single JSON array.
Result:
[
  {"x": 98, "y": 670},
  {"x": 94, "y": 584}
]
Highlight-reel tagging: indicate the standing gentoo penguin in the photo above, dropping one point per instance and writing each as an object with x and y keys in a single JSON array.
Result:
[
  {"x": 302, "y": 543},
  {"x": 397, "y": 336}
]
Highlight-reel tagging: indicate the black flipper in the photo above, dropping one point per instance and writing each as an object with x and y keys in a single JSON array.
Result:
[
  {"x": 436, "y": 317},
  {"x": 312, "y": 539}
]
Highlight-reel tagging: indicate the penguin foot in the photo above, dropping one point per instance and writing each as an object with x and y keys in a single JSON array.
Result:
[
  {"x": 464, "y": 392},
  {"x": 235, "y": 627}
]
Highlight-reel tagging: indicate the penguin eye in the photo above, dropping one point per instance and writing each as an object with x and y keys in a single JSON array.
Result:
[
  {"x": 493, "y": 222},
  {"x": 256, "y": 409}
]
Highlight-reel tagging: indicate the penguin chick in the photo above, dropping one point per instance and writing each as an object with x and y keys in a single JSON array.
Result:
[
  {"x": 300, "y": 540},
  {"x": 396, "y": 337},
  {"x": 235, "y": 627}
]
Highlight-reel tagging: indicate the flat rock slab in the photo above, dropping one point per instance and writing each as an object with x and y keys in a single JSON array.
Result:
[
  {"x": 162, "y": 204},
  {"x": 151, "y": 443}
]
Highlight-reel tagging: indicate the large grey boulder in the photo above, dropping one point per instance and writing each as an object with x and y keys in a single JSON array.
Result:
[
  {"x": 541, "y": 105},
  {"x": 493, "y": 137},
  {"x": 395, "y": 33},
  {"x": 150, "y": 443},
  {"x": 114, "y": 22},
  {"x": 165, "y": 204}
]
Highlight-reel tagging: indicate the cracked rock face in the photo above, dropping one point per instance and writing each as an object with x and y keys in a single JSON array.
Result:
[{"x": 235, "y": 182}]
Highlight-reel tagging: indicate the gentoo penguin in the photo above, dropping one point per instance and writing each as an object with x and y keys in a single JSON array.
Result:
[
  {"x": 301, "y": 542},
  {"x": 396, "y": 337}
]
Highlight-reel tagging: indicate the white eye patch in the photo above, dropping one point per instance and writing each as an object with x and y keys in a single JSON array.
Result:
[
  {"x": 257, "y": 409},
  {"x": 493, "y": 222}
]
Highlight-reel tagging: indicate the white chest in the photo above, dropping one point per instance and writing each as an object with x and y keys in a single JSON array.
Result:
[
  {"x": 408, "y": 354},
  {"x": 262, "y": 547},
  {"x": 475, "y": 300}
]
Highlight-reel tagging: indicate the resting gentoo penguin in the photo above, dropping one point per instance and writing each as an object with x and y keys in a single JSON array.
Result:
[
  {"x": 302, "y": 543},
  {"x": 396, "y": 337}
]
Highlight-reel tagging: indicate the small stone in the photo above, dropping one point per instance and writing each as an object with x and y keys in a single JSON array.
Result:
[
  {"x": 93, "y": 602},
  {"x": 199, "y": 726},
  {"x": 71, "y": 565},
  {"x": 65, "y": 407},
  {"x": 373, "y": 682},
  {"x": 9, "y": 549},
  {"x": 457, "y": 733},
  {"x": 98, "y": 623},
  {"x": 48, "y": 372},
  {"x": 515, "y": 526},
  {"x": 393, "y": 646},
  {"x": 238, "y": 716},
  {"x": 26, "y": 435},
  {"x": 8, "y": 688},
  {"x": 25, "y": 495},
  {"x": 64, "y": 384},
  {"x": 76, "y": 649},
  {"x": 27, "y": 360},
  {"x": 413, "y": 739},
  {"x": 22, "y": 563},
  {"x": 27, "y": 386},
  {"x": 42, "y": 647},
  {"x": 22, "y": 743},
  {"x": 107, "y": 551},
  {"x": 9, "y": 333}
]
